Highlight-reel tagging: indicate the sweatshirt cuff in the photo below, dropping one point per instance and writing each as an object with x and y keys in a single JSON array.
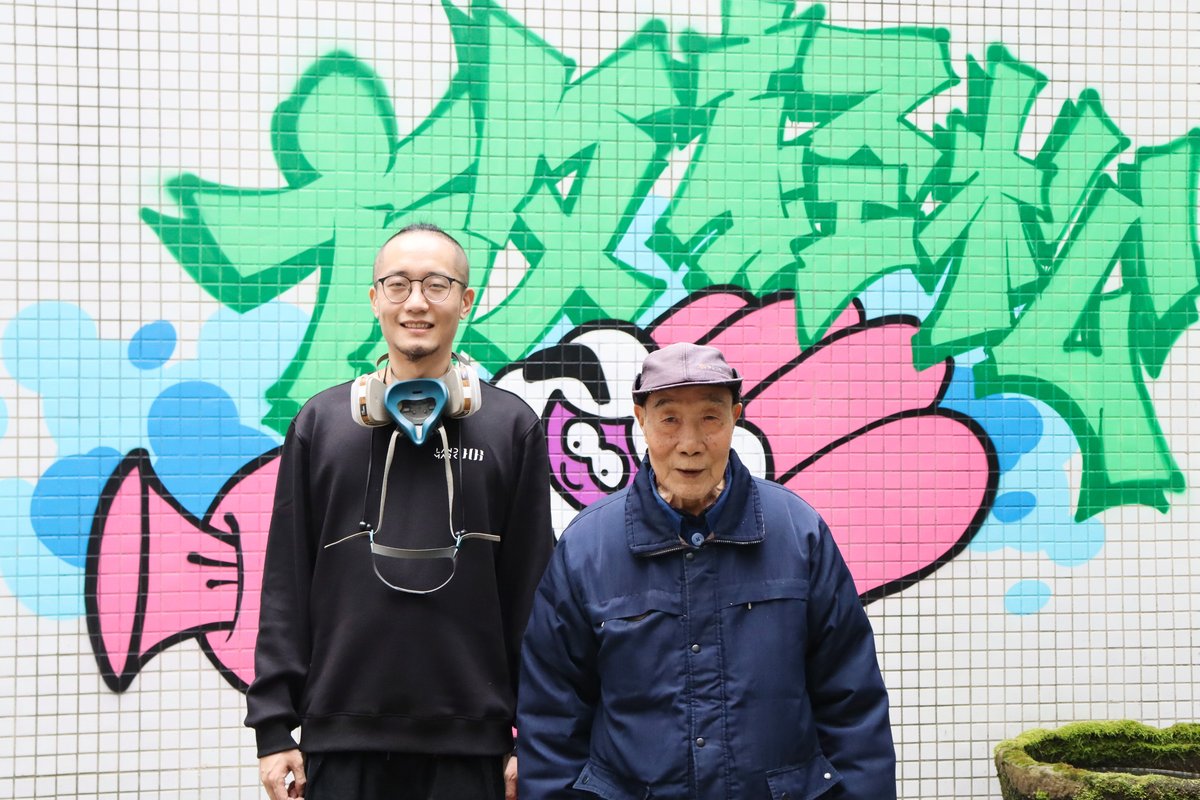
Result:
[{"x": 274, "y": 738}]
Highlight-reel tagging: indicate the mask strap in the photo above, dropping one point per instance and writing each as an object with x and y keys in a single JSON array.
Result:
[{"x": 450, "y": 552}]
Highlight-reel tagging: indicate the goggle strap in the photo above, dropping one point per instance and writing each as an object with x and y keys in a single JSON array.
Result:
[
  {"x": 450, "y": 552},
  {"x": 404, "y": 552},
  {"x": 387, "y": 469},
  {"x": 449, "y": 480},
  {"x": 431, "y": 552}
]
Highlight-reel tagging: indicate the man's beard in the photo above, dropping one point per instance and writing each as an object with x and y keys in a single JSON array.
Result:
[{"x": 417, "y": 353}]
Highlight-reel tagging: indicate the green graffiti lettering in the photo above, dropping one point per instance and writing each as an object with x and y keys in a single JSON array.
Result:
[
  {"x": 866, "y": 161},
  {"x": 869, "y": 222},
  {"x": 878, "y": 77},
  {"x": 562, "y": 169},
  {"x": 1072, "y": 349},
  {"x": 1163, "y": 180},
  {"x": 730, "y": 222},
  {"x": 806, "y": 173},
  {"x": 977, "y": 239},
  {"x": 1082, "y": 143}
]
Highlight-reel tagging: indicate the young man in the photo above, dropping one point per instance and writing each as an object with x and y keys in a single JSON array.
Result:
[
  {"x": 697, "y": 634},
  {"x": 402, "y": 687}
]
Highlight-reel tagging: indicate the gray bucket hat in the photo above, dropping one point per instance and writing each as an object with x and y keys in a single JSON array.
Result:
[{"x": 685, "y": 364}]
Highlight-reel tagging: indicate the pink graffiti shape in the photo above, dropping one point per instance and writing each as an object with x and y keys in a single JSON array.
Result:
[
  {"x": 245, "y": 510},
  {"x": 156, "y": 575},
  {"x": 856, "y": 430}
]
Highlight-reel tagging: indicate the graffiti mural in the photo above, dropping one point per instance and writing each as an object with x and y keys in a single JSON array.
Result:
[
  {"x": 805, "y": 185},
  {"x": 954, "y": 346}
]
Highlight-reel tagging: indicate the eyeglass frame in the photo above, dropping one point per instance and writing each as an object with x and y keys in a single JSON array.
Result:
[{"x": 420, "y": 281}]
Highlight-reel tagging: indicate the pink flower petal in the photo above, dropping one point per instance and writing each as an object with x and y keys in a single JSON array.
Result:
[
  {"x": 902, "y": 498},
  {"x": 691, "y": 322},
  {"x": 841, "y": 386}
]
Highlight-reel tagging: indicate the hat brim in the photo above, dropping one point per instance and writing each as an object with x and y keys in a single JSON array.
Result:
[{"x": 640, "y": 395}]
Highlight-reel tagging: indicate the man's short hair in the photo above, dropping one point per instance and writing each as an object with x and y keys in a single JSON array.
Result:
[{"x": 437, "y": 230}]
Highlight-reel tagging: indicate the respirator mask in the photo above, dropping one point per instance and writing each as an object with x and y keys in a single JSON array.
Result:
[{"x": 415, "y": 407}]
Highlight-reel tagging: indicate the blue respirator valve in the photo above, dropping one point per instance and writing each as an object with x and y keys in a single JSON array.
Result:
[{"x": 416, "y": 406}]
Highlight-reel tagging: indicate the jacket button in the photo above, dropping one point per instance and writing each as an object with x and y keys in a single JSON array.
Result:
[
  {"x": 697, "y": 538},
  {"x": 700, "y": 741},
  {"x": 689, "y": 556},
  {"x": 695, "y": 648},
  {"x": 827, "y": 776}
]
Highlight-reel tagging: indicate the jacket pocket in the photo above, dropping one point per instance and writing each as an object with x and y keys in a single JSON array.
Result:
[
  {"x": 774, "y": 611},
  {"x": 636, "y": 607},
  {"x": 596, "y": 780},
  {"x": 805, "y": 781},
  {"x": 634, "y": 635},
  {"x": 740, "y": 594}
]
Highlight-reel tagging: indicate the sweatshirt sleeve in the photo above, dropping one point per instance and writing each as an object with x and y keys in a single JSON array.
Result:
[
  {"x": 561, "y": 688},
  {"x": 527, "y": 541},
  {"x": 281, "y": 655},
  {"x": 850, "y": 703}
]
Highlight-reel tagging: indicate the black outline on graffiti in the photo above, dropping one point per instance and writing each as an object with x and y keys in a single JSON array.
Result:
[{"x": 139, "y": 460}]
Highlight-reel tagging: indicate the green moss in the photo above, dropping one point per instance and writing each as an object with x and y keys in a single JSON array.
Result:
[
  {"x": 1089, "y": 745},
  {"x": 1062, "y": 764}
]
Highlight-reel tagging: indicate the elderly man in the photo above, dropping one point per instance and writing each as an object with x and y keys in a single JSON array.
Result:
[{"x": 697, "y": 635}]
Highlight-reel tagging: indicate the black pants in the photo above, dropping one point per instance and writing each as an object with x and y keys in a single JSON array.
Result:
[{"x": 403, "y": 776}]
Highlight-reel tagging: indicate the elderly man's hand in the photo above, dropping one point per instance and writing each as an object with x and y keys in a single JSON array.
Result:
[{"x": 273, "y": 770}]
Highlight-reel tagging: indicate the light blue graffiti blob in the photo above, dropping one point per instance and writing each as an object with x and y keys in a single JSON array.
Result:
[
  {"x": 1026, "y": 597},
  {"x": 1013, "y": 422},
  {"x": 245, "y": 354},
  {"x": 94, "y": 396},
  {"x": 1050, "y": 526},
  {"x": 52, "y": 349},
  {"x": 897, "y": 293},
  {"x": 1033, "y": 511},
  {"x": 65, "y": 499},
  {"x": 199, "y": 442},
  {"x": 153, "y": 345},
  {"x": 44, "y": 583},
  {"x": 1012, "y": 506}
]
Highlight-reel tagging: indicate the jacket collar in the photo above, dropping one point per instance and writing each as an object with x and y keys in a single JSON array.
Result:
[{"x": 653, "y": 527}]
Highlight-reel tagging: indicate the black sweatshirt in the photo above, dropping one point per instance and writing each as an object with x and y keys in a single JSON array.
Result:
[{"x": 362, "y": 667}]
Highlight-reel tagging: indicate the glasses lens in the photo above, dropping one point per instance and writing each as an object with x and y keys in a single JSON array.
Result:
[
  {"x": 436, "y": 288},
  {"x": 397, "y": 288}
]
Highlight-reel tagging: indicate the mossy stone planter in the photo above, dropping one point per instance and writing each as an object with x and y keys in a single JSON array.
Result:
[{"x": 1102, "y": 761}]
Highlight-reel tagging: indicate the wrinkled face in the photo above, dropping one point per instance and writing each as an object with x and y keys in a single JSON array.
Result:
[
  {"x": 689, "y": 432},
  {"x": 419, "y": 333}
]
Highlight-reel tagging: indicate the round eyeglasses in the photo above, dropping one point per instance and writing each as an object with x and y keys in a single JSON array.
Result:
[{"x": 435, "y": 288}]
